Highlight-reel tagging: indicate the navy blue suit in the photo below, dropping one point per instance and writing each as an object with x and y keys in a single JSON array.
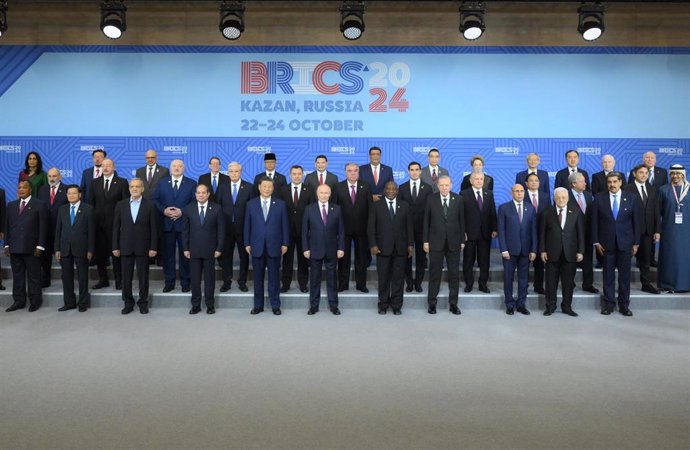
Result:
[
  {"x": 266, "y": 237},
  {"x": 385, "y": 175},
  {"x": 519, "y": 239},
  {"x": 323, "y": 243},
  {"x": 617, "y": 236},
  {"x": 543, "y": 175},
  {"x": 165, "y": 197}
]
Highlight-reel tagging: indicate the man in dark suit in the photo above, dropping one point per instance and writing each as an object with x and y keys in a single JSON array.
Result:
[
  {"x": 203, "y": 232},
  {"x": 106, "y": 191},
  {"x": 54, "y": 195},
  {"x": 151, "y": 174},
  {"x": 657, "y": 175},
  {"x": 375, "y": 174},
  {"x": 517, "y": 238},
  {"x": 444, "y": 237},
  {"x": 135, "y": 240},
  {"x": 174, "y": 193},
  {"x": 323, "y": 237},
  {"x": 561, "y": 247},
  {"x": 481, "y": 227},
  {"x": 3, "y": 220},
  {"x": 296, "y": 197},
  {"x": 25, "y": 240},
  {"x": 616, "y": 235},
  {"x": 321, "y": 175},
  {"x": 581, "y": 199},
  {"x": 608, "y": 164},
  {"x": 214, "y": 179},
  {"x": 416, "y": 193},
  {"x": 390, "y": 235},
  {"x": 75, "y": 244},
  {"x": 650, "y": 223},
  {"x": 266, "y": 239},
  {"x": 432, "y": 171},
  {"x": 91, "y": 173},
  {"x": 540, "y": 201},
  {"x": 354, "y": 198},
  {"x": 278, "y": 179},
  {"x": 533, "y": 161},
  {"x": 233, "y": 198},
  {"x": 572, "y": 157}
]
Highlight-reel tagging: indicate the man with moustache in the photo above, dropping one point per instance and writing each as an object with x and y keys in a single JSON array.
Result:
[
  {"x": 152, "y": 173},
  {"x": 54, "y": 195}
]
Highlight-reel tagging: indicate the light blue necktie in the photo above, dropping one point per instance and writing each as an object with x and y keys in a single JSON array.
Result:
[
  {"x": 71, "y": 216},
  {"x": 234, "y": 193},
  {"x": 615, "y": 206},
  {"x": 265, "y": 208}
]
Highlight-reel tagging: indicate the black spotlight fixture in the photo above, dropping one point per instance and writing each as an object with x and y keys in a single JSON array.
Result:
[
  {"x": 3, "y": 17},
  {"x": 591, "y": 22},
  {"x": 231, "y": 19},
  {"x": 113, "y": 18},
  {"x": 352, "y": 19},
  {"x": 472, "y": 24}
]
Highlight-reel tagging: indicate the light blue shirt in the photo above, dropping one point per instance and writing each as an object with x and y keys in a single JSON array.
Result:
[{"x": 134, "y": 208}]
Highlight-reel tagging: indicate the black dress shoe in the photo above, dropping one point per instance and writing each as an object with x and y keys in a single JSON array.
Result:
[
  {"x": 418, "y": 288},
  {"x": 225, "y": 287},
  {"x": 363, "y": 289},
  {"x": 383, "y": 311},
  {"x": 651, "y": 290},
  {"x": 67, "y": 308},
  {"x": 653, "y": 263},
  {"x": 335, "y": 311},
  {"x": 82, "y": 308},
  {"x": 277, "y": 311},
  {"x": 46, "y": 284},
  {"x": 397, "y": 312},
  {"x": 625, "y": 311},
  {"x": 606, "y": 311},
  {"x": 33, "y": 308},
  {"x": 549, "y": 311},
  {"x": 255, "y": 311},
  {"x": 127, "y": 309},
  {"x": 243, "y": 287},
  {"x": 570, "y": 312},
  {"x": 284, "y": 289},
  {"x": 510, "y": 311},
  {"x": 408, "y": 288},
  {"x": 523, "y": 310},
  {"x": 118, "y": 286},
  {"x": 484, "y": 289},
  {"x": 168, "y": 288},
  {"x": 591, "y": 289},
  {"x": 598, "y": 266},
  {"x": 14, "y": 307},
  {"x": 313, "y": 310},
  {"x": 2, "y": 288},
  {"x": 455, "y": 310},
  {"x": 468, "y": 288},
  {"x": 304, "y": 289},
  {"x": 210, "y": 310},
  {"x": 186, "y": 289},
  {"x": 144, "y": 309},
  {"x": 195, "y": 310},
  {"x": 431, "y": 310},
  {"x": 540, "y": 291},
  {"x": 100, "y": 285}
]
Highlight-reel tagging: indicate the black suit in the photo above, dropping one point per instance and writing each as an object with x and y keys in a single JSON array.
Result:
[
  {"x": 355, "y": 217},
  {"x": 296, "y": 214},
  {"x": 599, "y": 183},
  {"x": 202, "y": 240},
  {"x": 53, "y": 208},
  {"x": 417, "y": 206},
  {"x": 562, "y": 178},
  {"x": 561, "y": 246},
  {"x": 392, "y": 235},
  {"x": 660, "y": 177},
  {"x": 479, "y": 225},
  {"x": 104, "y": 211},
  {"x": 3, "y": 219},
  {"x": 312, "y": 180},
  {"x": 23, "y": 233},
  {"x": 488, "y": 182},
  {"x": 234, "y": 231},
  {"x": 74, "y": 241},
  {"x": 279, "y": 181},
  {"x": 543, "y": 202},
  {"x": 205, "y": 179},
  {"x": 445, "y": 235},
  {"x": 650, "y": 223},
  {"x": 586, "y": 265},
  {"x": 157, "y": 174},
  {"x": 135, "y": 240}
]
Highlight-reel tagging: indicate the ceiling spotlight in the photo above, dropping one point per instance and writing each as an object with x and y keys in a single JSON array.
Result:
[
  {"x": 591, "y": 22},
  {"x": 231, "y": 19},
  {"x": 113, "y": 19},
  {"x": 472, "y": 20},
  {"x": 3, "y": 17},
  {"x": 352, "y": 19}
]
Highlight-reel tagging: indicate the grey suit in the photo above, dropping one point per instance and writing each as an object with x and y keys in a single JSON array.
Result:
[{"x": 427, "y": 176}]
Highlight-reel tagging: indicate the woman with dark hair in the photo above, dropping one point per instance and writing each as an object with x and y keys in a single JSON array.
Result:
[
  {"x": 33, "y": 172},
  {"x": 477, "y": 163}
]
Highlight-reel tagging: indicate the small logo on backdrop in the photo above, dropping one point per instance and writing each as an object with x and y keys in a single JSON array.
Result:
[
  {"x": 90, "y": 148},
  {"x": 11, "y": 148},
  {"x": 677, "y": 151},
  {"x": 508, "y": 150},
  {"x": 399, "y": 174},
  {"x": 259, "y": 149},
  {"x": 343, "y": 150},
  {"x": 589, "y": 150},
  {"x": 176, "y": 149},
  {"x": 423, "y": 150},
  {"x": 66, "y": 173}
]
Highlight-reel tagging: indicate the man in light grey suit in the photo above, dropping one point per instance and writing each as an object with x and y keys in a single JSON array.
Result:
[
  {"x": 151, "y": 173},
  {"x": 432, "y": 172}
]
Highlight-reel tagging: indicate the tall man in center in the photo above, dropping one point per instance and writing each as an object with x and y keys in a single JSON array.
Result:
[{"x": 266, "y": 237}]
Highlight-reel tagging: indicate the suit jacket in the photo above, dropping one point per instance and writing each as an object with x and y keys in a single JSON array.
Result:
[
  {"x": 417, "y": 207},
  {"x": 620, "y": 233},
  {"x": 279, "y": 181},
  {"x": 384, "y": 176},
  {"x": 355, "y": 216},
  {"x": 104, "y": 202},
  {"x": 562, "y": 178},
  {"x": 266, "y": 236},
  {"x": 3, "y": 211},
  {"x": 158, "y": 174},
  {"x": 323, "y": 241},
  {"x": 588, "y": 199},
  {"x": 312, "y": 180},
  {"x": 557, "y": 241},
  {"x": 543, "y": 202},
  {"x": 660, "y": 177},
  {"x": 599, "y": 183},
  {"x": 78, "y": 239},
  {"x": 60, "y": 199},
  {"x": 296, "y": 212},
  {"x": 28, "y": 230},
  {"x": 85, "y": 185},
  {"x": 543, "y": 175},
  {"x": 203, "y": 240},
  {"x": 488, "y": 182},
  {"x": 135, "y": 238},
  {"x": 234, "y": 212},
  {"x": 439, "y": 229},
  {"x": 165, "y": 197},
  {"x": 650, "y": 214},
  {"x": 390, "y": 235},
  {"x": 426, "y": 176},
  {"x": 205, "y": 179},
  {"x": 479, "y": 224},
  {"x": 514, "y": 237}
]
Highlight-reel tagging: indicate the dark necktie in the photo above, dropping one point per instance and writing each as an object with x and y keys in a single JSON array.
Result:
[
  {"x": 391, "y": 210},
  {"x": 353, "y": 194},
  {"x": 295, "y": 197},
  {"x": 560, "y": 216},
  {"x": 175, "y": 187},
  {"x": 644, "y": 195},
  {"x": 414, "y": 191},
  {"x": 480, "y": 202},
  {"x": 150, "y": 177},
  {"x": 270, "y": 176},
  {"x": 324, "y": 216},
  {"x": 22, "y": 205},
  {"x": 445, "y": 207},
  {"x": 434, "y": 178},
  {"x": 107, "y": 186},
  {"x": 535, "y": 202},
  {"x": 202, "y": 216}
]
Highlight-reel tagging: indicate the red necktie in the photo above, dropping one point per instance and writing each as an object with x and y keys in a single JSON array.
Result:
[
  {"x": 353, "y": 194},
  {"x": 535, "y": 203},
  {"x": 52, "y": 195},
  {"x": 376, "y": 176},
  {"x": 320, "y": 178},
  {"x": 22, "y": 205},
  {"x": 434, "y": 177},
  {"x": 295, "y": 197},
  {"x": 98, "y": 172}
]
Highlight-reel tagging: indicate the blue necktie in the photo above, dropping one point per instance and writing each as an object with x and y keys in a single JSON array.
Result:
[
  {"x": 214, "y": 184},
  {"x": 202, "y": 216},
  {"x": 615, "y": 207},
  {"x": 71, "y": 216},
  {"x": 234, "y": 193}
]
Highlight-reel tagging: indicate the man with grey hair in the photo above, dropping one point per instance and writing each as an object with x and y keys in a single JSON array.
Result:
[
  {"x": 657, "y": 175},
  {"x": 53, "y": 194},
  {"x": 608, "y": 165},
  {"x": 533, "y": 161},
  {"x": 581, "y": 199}
]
